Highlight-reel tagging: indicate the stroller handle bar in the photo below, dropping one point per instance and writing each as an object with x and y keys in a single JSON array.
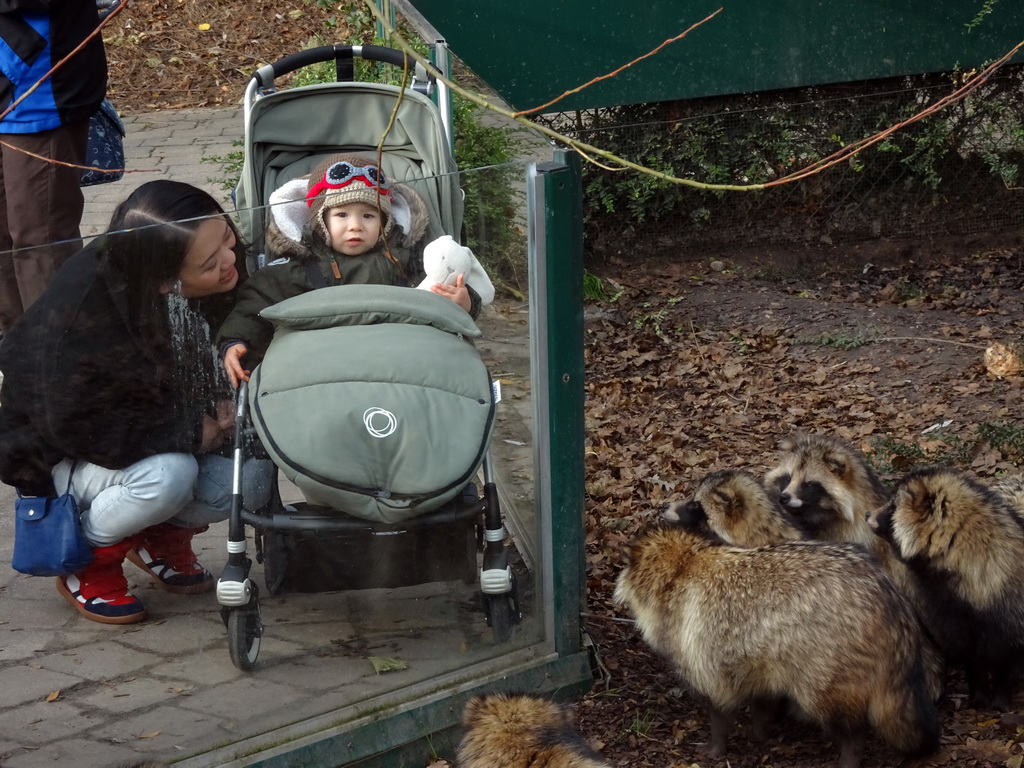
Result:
[{"x": 342, "y": 55}]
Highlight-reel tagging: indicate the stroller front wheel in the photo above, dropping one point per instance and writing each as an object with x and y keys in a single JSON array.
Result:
[
  {"x": 502, "y": 613},
  {"x": 245, "y": 628},
  {"x": 500, "y": 617}
]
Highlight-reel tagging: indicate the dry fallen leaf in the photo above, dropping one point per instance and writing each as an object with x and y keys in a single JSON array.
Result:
[
  {"x": 53, "y": 696},
  {"x": 1003, "y": 360},
  {"x": 383, "y": 664}
]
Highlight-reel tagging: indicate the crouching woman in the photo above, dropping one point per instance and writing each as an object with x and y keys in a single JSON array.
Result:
[{"x": 111, "y": 388}]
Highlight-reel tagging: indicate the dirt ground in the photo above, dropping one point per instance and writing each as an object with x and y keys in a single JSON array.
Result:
[
  {"x": 696, "y": 363},
  {"x": 695, "y": 367},
  {"x": 167, "y": 54}
]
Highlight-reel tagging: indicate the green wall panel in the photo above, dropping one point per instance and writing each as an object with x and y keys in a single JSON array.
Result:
[{"x": 531, "y": 51}]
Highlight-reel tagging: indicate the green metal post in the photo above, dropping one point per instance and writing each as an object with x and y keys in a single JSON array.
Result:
[{"x": 559, "y": 353}]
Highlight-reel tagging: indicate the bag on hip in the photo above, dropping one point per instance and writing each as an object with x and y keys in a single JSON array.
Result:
[{"x": 105, "y": 149}]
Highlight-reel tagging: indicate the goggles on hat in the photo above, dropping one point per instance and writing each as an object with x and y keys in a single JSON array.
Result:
[{"x": 343, "y": 173}]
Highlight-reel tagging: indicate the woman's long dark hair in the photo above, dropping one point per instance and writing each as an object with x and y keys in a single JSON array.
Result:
[{"x": 150, "y": 234}]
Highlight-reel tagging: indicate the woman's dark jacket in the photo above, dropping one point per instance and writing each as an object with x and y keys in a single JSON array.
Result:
[{"x": 81, "y": 380}]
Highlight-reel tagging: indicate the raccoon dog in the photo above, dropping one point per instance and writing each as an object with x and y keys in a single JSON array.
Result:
[
  {"x": 738, "y": 509},
  {"x": 965, "y": 547},
  {"x": 515, "y": 731},
  {"x": 826, "y": 484},
  {"x": 1011, "y": 488},
  {"x": 814, "y": 623}
]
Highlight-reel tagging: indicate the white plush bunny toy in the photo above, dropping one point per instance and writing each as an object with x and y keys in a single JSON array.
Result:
[{"x": 444, "y": 260}]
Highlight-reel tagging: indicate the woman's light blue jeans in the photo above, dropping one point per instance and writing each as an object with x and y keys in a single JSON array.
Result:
[{"x": 179, "y": 488}]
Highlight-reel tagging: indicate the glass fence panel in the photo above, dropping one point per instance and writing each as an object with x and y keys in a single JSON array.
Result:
[{"x": 367, "y": 584}]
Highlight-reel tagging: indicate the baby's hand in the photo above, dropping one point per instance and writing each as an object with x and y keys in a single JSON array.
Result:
[
  {"x": 233, "y": 364},
  {"x": 457, "y": 293}
]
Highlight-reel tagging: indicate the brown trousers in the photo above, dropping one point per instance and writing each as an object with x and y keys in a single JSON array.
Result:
[{"x": 41, "y": 204}]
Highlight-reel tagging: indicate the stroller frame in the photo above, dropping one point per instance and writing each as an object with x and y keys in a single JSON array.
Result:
[{"x": 237, "y": 593}]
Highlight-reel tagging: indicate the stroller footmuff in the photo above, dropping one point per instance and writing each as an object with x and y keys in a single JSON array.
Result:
[{"x": 373, "y": 400}]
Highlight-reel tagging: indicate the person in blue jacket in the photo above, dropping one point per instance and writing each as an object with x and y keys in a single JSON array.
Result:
[{"x": 41, "y": 201}]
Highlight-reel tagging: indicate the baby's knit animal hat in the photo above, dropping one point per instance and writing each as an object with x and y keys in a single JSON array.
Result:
[{"x": 343, "y": 179}]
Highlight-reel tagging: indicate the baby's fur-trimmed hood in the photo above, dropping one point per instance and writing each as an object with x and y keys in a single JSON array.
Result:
[{"x": 283, "y": 238}]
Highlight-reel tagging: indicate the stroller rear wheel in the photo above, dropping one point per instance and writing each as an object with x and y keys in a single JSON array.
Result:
[{"x": 245, "y": 628}]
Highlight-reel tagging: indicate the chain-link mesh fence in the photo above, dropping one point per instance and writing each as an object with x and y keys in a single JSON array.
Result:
[{"x": 960, "y": 171}]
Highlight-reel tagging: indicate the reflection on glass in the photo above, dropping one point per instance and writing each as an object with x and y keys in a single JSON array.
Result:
[{"x": 347, "y": 615}]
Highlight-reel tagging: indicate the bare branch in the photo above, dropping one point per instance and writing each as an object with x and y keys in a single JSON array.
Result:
[{"x": 614, "y": 72}]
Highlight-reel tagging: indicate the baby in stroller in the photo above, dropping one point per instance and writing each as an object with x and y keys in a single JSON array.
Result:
[
  {"x": 373, "y": 400},
  {"x": 344, "y": 224}
]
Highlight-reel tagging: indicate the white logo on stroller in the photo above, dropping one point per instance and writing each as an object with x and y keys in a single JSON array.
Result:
[{"x": 379, "y": 422}]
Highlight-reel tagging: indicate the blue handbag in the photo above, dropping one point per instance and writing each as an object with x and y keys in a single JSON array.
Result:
[
  {"x": 105, "y": 147},
  {"x": 48, "y": 537}
]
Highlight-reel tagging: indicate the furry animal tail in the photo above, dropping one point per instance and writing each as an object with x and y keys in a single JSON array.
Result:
[{"x": 905, "y": 716}]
